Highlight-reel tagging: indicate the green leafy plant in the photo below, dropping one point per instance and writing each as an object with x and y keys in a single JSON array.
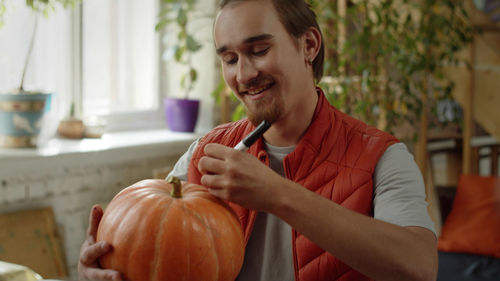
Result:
[
  {"x": 388, "y": 69},
  {"x": 39, "y": 7},
  {"x": 47, "y": 6},
  {"x": 174, "y": 17},
  {"x": 222, "y": 91}
]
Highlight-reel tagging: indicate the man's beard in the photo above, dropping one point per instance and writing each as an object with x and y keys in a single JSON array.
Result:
[{"x": 270, "y": 108}]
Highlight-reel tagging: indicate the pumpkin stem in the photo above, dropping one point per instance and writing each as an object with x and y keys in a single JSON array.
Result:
[{"x": 176, "y": 186}]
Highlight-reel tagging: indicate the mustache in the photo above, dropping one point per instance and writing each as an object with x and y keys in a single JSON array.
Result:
[{"x": 255, "y": 83}]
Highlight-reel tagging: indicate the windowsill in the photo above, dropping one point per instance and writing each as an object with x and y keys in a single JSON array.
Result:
[{"x": 111, "y": 147}]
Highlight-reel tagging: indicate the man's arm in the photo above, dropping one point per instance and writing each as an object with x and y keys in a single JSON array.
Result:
[
  {"x": 378, "y": 249},
  {"x": 399, "y": 190}
]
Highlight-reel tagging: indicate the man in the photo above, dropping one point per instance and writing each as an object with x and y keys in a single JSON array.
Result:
[{"x": 322, "y": 196}]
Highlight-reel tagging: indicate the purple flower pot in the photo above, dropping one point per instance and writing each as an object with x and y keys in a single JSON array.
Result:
[{"x": 181, "y": 114}]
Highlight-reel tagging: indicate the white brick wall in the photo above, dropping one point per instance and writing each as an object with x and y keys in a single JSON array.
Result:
[
  {"x": 2, "y": 193},
  {"x": 72, "y": 186},
  {"x": 15, "y": 190},
  {"x": 37, "y": 189},
  {"x": 71, "y": 193}
]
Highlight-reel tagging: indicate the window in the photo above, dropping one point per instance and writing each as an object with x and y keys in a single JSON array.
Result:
[
  {"x": 119, "y": 56},
  {"x": 103, "y": 57}
]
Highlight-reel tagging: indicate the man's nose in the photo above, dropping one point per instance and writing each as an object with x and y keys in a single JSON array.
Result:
[{"x": 246, "y": 71}]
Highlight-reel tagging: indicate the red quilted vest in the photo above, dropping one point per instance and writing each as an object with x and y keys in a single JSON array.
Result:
[{"x": 335, "y": 158}]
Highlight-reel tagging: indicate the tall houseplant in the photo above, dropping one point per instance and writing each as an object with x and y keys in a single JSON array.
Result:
[
  {"x": 174, "y": 19},
  {"x": 386, "y": 59},
  {"x": 21, "y": 111},
  {"x": 39, "y": 7}
]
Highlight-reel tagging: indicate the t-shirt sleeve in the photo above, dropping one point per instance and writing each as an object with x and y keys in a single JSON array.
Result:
[
  {"x": 180, "y": 169},
  {"x": 399, "y": 193}
]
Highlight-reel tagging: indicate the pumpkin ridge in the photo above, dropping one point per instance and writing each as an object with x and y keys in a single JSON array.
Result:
[
  {"x": 121, "y": 223},
  {"x": 232, "y": 220},
  {"x": 185, "y": 230},
  {"x": 190, "y": 209},
  {"x": 210, "y": 229},
  {"x": 144, "y": 198},
  {"x": 236, "y": 227},
  {"x": 199, "y": 217},
  {"x": 152, "y": 197},
  {"x": 155, "y": 262},
  {"x": 216, "y": 252}
]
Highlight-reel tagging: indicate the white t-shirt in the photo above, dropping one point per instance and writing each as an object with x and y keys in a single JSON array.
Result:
[{"x": 399, "y": 198}]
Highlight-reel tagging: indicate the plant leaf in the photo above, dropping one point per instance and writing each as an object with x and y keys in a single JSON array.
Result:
[{"x": 191, "y": 44}]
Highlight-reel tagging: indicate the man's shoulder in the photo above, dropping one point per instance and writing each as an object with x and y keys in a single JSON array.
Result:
[
  {"x": 227, "y": 133},
  {"x": 359, "y": 126},
  {"x": 364, "y": 144},
  {"x": 230, "y": 126}
]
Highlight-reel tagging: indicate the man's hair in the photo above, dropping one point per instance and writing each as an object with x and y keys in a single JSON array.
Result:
[{"x": 297, "y": 17}]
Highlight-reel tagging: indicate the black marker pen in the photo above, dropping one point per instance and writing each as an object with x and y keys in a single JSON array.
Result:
[{"x": 244, "y": 144}]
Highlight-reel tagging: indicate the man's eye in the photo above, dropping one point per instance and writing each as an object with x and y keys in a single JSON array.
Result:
[
  {"x": 260, "y": 51},
  {"x": 229, "y": 59}
]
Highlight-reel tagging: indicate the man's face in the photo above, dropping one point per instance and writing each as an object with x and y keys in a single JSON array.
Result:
[{"x": 261, "y": 62}]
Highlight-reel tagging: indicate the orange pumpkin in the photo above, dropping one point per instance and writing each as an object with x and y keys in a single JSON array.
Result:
[{"x": 159, "y": 234}]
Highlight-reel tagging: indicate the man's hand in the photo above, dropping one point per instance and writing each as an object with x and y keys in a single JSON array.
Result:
[
  {"x": 239, "y": 177},
  {"x": 88, "y": 267}
]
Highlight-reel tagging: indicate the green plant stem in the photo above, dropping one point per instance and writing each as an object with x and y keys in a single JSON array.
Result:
[
  {"x": 190, "y": 82},
  {"x": 28, "y": 56}
]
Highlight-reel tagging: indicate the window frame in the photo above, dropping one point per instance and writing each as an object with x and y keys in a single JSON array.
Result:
[{"x": 118, "y": 121}]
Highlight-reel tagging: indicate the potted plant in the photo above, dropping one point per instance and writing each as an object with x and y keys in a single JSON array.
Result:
[
  {"x": 175, "y": 15},
  {"x": 386, "y": 59},
  {"x": 21, "y": 111}
]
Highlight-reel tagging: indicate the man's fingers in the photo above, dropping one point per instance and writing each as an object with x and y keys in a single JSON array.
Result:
[
  {"x": 100, "y": 274},
  {"x": 222, "y": 194},
  {"x": 94, "y": 219},
  {"x": 209, "y": 165},
  {"x": 212, "y": 181},
  {"x": 91, "y": 253},
  {"x": 218, "y": 151}
]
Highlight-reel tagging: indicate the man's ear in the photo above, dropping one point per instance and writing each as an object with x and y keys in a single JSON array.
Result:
[{"x": 311, "y": 40}]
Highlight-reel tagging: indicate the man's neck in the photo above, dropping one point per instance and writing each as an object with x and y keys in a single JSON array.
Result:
[{"x": 289, "y": 130}]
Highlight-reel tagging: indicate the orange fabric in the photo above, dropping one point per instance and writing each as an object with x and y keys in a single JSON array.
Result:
[
  {"x": 473, "y": 225},
  {"x": 335, "y": 158}
]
